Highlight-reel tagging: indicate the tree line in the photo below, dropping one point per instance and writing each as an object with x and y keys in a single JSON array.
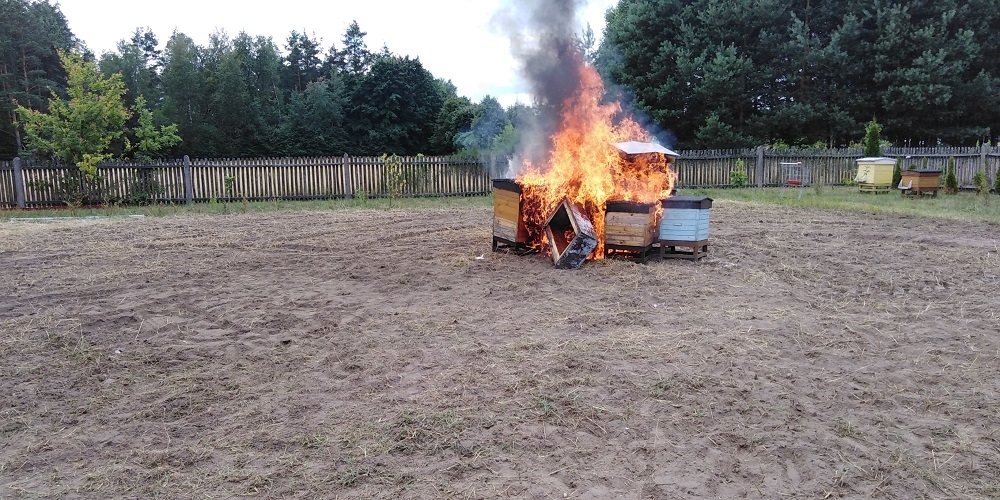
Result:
[
  {"x": 730, "y": 73},
  {"x": 711, "y": 73},
  {"x": 243, "y": 96}
]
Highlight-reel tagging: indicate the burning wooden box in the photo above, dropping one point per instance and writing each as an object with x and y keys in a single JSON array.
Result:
[
  {"x": 684, "y": 224},
  {"x": 571, "y": 235},
  {"x": 919, "y": 182},
  {"x": 509, "y": 230},
  {"x": 630, "y": 228},
  {"x": 875, "y": 174}
]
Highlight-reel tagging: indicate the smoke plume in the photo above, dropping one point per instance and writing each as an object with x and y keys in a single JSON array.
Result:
[{"x": 543, "y": 38}]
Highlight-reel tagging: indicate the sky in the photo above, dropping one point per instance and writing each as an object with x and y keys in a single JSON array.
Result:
[{"x": 455, "y": 39}]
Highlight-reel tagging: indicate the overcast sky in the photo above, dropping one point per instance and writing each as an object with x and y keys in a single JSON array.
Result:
[{"x": 454, "y": 39}]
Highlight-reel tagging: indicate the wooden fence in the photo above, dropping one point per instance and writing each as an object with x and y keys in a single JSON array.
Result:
[
  {"x": 187, "y": 181},
  {"x": 198, "y": 180},
  {"x": 826, "y": 166}
]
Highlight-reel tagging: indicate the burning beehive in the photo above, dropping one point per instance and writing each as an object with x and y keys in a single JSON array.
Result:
[
  {"x": 630, "y": 229},
  {"x": 509, "y": 231},
  {"x": 595, "y": 154}
]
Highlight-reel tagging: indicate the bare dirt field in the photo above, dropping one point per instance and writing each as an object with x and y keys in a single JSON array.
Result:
[{"x": 370, "y": 353}]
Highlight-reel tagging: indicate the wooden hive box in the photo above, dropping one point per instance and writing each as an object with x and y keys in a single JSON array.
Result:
[
  {"x": 920, "y": 182},
  {"x": 684, "y": 224},
  {"x": 875, "y": 174},
  {"x": 630, "y": 227},
  {"x": 508, "y": 226}
]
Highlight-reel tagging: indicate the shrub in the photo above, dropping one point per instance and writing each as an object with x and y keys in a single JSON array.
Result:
[
  {"x": 738, "y": 175},
  {"x": 873, "y": 144},
  {"x": 996, "y": 181},
  {"x": 950, "y": 181},
  {"x": 979, "y": 181}
]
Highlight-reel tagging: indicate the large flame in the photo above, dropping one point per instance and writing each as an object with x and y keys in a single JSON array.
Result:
[{"x": 585, "y": 167}]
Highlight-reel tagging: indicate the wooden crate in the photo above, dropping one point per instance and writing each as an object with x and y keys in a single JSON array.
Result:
[
  {"x": 875, "y": 174},
  {"x": 509, "y": 230},
  {"x": 919, "y": 182},
  {"x": 630, "y": 227},
  {"x": 684, "y": 224}
]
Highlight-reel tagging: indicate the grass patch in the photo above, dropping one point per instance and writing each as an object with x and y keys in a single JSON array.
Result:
[{"x": 963, "y": 206}]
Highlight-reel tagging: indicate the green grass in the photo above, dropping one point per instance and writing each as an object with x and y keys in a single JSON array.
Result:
[
  {"x": 236, "y": 207},
  {"x": 964, "y": 206}
]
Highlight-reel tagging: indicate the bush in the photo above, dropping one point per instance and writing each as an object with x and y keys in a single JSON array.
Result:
[
  {"x": 982, "y": 186},
  {"x": 873, "y": 144},
  {"x": 996, "y": 181},
  {"x": 738, "y": 175},
  {"x": 950, "y": 181}
]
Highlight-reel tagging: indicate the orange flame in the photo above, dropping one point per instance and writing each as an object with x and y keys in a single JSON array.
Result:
[{"x": 585, "y": 167}]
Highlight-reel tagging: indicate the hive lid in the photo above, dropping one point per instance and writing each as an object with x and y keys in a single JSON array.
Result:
[
  {"x": 877, "y": 160},
  {"x": 636, "y": 147},
  {"x": 507, "y": 185},
  {"x": 634, "y": 207},
  {"x": 923, "y": 170},
  {"x": 687, "y": 202}
]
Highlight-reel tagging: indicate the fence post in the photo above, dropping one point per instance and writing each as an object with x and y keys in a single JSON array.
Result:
[
  {"x": 188, "y": 181},
  {"x": 760, "y": 166},
  {"x": 18, "y": 182},
  {"x": 348, "y": 189}
]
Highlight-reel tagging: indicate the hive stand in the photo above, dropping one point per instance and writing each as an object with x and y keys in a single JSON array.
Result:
[{"x": 668, "y": 249}]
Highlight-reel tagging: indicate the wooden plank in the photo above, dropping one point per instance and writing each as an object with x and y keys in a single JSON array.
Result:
[
  {"x": 631, "y": 241},
  {"x": 620, "y": 230},
  {"x": 628, "y": 219}
]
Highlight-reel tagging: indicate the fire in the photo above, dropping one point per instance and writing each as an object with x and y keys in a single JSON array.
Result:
[{"x": 585, "y": 167}]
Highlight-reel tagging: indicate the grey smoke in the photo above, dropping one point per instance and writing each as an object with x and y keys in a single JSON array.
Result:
[{"x": 543, "y": 38}]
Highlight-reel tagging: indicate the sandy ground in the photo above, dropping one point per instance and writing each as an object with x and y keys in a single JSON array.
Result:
[{"x": 369, "y": 353}]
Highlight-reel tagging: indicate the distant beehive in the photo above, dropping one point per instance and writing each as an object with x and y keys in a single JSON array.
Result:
[
  {"x": 875, "y": 174},
  {"x": 920, "y": 181}
]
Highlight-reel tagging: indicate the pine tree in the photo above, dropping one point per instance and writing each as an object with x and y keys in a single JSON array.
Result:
[
  {"x": 950, "y": 181},
  {"x": 873, "y": 145}
]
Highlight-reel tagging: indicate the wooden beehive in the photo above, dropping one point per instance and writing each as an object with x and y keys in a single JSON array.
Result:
[
  {"x": 509, "y": 229},
  {"x": 875, "y": 174},
  {"x": 630, "y": 227},
  {"x": 684, "y": 224},
  {"x": 920, "y": 182}
]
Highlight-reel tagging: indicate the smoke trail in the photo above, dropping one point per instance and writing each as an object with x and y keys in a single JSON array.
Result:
[{"x": 543, "y": 39}]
